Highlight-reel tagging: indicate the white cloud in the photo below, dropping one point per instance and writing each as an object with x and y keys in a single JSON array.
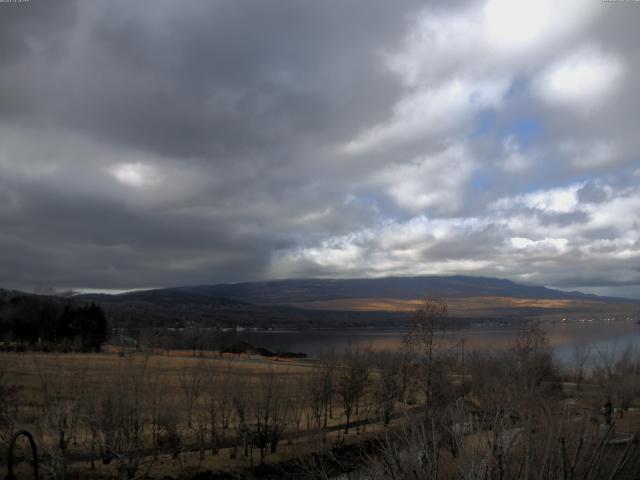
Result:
[
  {"x": 545, "y": 244},
  {"x": 344, "y": 252},
  {"x": 434, "y": 43},
  {"x": 390, "y": 248},
  {"x": 620, "y": 214},
  {"x": 137, "y": 175},
  {"x": 429, "y": 112},
  {"x": 581, "y": 81},
  {"x": 423, "y": 231},
  {"x": 560, "y": 200},
  {"x": 425, "y": 245},
  {"x": 457, "y": 64},
  {"x": 486, "y": 38},
  {"x": 431, "y": 181},
  {"x": 514, "y": 160},
  {"x": 556, "y": 200},
  {"x": 515, "y": 23}
]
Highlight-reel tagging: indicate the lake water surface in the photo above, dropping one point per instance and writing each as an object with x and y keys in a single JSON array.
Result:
[{"x": 564, "y": 338}]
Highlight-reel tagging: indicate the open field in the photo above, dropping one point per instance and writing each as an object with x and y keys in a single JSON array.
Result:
[
  {"x": 181, "y": 406},
  {"x": 456, "y": 305},
  {"x": 29, "y": 370},
  {"x": 485, "y": 307},
  {"x": 174, "y": 414}
]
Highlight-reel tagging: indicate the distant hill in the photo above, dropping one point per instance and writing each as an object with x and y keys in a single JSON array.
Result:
[
  {"x": 349, "y": 303},
  {"x": 468, "y": 297},
  {"x": 179, "y": 307},
  {"x": 399, "y": 288}
]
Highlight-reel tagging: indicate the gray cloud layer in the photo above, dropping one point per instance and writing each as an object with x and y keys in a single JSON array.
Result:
[{"x": 160, "y": 143}]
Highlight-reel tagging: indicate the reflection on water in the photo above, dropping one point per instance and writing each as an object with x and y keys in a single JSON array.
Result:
[{"x": 601, "y": 337}]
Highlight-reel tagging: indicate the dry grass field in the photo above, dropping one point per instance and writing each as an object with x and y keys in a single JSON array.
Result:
[
  {"x": 35, "y": 371},
  {"x": 174, "y": 414},
  {"x": 483, "y": 306},
  {"x": 168, "y": 394}
]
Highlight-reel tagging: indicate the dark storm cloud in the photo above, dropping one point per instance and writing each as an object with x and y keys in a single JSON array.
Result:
[
  {"x": 159, "y": 143},
  {"x": 240, "y": 94},
  {"x": 19, "y": 24},
  {"x": 210, "y": 79}
]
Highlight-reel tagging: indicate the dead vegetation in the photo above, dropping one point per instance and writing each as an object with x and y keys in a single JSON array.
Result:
[{"x": 428, "y": 411}]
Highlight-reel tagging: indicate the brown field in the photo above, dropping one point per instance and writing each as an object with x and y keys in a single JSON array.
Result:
[
  {"x": 30, "y": 369},
  {"x": 72, "y": 396},
  {"x": 480, "y": 306},
  {"x": 79, "y": 382},
  {"x": 457, "y": 306}
]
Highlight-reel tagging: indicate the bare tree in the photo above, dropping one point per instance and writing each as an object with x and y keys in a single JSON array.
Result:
[
  {"x": 579, "y": 359},
  {"x": 352, "y": 379},
  {"x": 269, "y": 410},
  {"x": 320, "y": 385},
  {"x": 298, "y": 405},
  {"x": 191, "y": 384},
  {"x": 543, "y": 443},
  {"x": 218, "y": 401},
  {"x": 10, "y": 400},
  {"x": 532, "y": 359},
  {"x": 430, "y": 346},
  {"x": 61, "y": 389},
  {"x": 157, "y": 400},
  {"x": 387, "y": 385},
  {"x": 242, "y": 405},
  {"x": 120, "y": 415},
  {"x": 618, "y": 376}
]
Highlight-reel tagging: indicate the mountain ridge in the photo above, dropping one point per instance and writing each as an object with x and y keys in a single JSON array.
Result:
[
  {"x": 344, "y": 303},
  {"x": 400, "y": 287}
]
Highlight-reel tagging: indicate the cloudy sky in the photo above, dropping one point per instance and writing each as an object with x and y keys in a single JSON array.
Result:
[{"x": 163, "y": 142}]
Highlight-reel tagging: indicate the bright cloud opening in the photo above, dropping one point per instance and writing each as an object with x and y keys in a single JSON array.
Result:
[
  {"x": 429, "y": 182},
  {"x": 581, "y": 81},
  {"x": 516, "y": 23},
  {"x": 136, "y": 174},
  {"x": 554, "y": 244}
]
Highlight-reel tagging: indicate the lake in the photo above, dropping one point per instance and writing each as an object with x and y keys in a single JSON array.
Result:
[{"x": 603, "y": 337}]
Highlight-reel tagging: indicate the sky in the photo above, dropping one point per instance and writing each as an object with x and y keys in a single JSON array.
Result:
[{"x": 158, "y": 143}]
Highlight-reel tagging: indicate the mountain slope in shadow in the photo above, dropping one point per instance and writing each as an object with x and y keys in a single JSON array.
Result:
[{"x": 400, "y": 288}]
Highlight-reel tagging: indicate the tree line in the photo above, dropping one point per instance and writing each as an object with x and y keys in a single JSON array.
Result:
[{"x": 33, "y": 321}]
